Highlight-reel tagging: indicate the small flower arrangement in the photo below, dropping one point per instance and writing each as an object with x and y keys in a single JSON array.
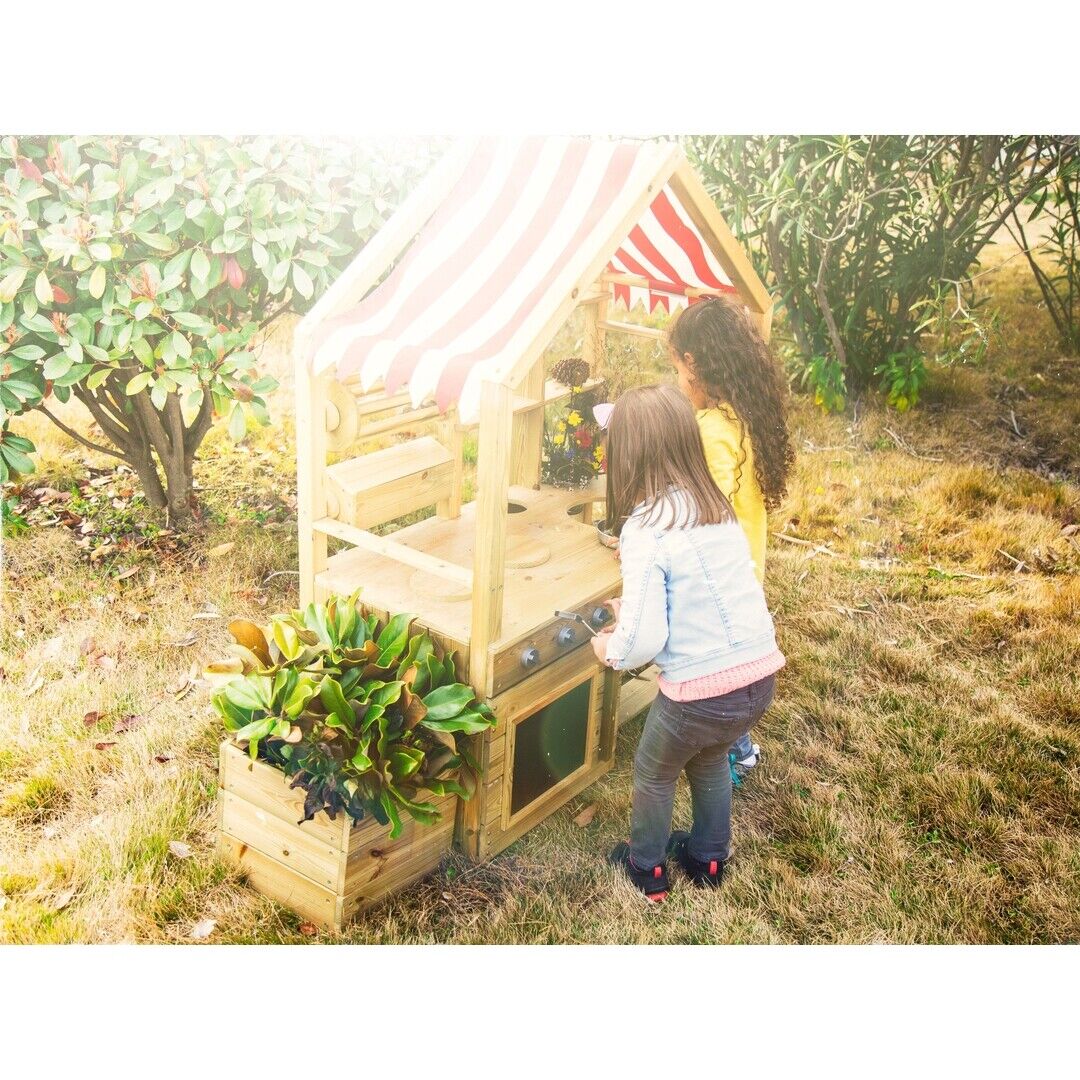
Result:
[{"x": 573, "y": 447}]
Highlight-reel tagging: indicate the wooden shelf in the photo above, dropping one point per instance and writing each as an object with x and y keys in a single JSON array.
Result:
[{"x": 374, "y": 488}]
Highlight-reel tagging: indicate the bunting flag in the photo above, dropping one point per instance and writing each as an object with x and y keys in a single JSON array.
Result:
[{"x": 490, "y": 260}]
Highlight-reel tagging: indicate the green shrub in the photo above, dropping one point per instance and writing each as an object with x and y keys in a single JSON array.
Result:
[{"x": 860, "y": 233}]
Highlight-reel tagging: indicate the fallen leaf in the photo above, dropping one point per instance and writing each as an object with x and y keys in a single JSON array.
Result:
[
  {"x": 586, "y": 816},
  {"x": 102, "y": 551},
  {"x": 1070, "y": 530},
  {"x": 205, "y": 615},
  {"x": 129, "y": 723},
  {"x": 101, "y": 481},
  {"x": 203, "y": 929},
  {"x": 183, "y": 643},
  {"x": 34, "y": 681},
  {"x": 103, "y": 745},
  {"x": 63, "y": 900},
  {"x": 222, "y": 549},
  {"x": 106, "y": 663},
  {"x": 308, "y": 929},
  {"x": 91, "y": 718},
  {"x": 180, "y": 849},
  {"x": 127, "y": 573},
  {"x": 161, "y": 759}
]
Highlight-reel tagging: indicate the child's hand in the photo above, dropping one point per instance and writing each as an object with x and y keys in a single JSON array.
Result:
[
  {"x": 600, "y": 645},
  {"x": 615, "y": 603}
]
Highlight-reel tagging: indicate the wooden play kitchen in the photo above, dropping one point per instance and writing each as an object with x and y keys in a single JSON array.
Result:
[{"x": 438, "y": 330}]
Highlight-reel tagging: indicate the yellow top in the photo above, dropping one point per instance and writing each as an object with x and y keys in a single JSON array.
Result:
[{"x": 721, "y": 433}]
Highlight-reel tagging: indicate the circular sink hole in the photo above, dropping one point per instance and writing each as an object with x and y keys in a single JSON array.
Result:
[
  {"x": 573, "y": 511},
  {"x": 514, "y": 508}
]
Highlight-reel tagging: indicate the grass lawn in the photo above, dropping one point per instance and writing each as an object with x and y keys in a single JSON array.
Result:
[{"x": 921, "y": 771}]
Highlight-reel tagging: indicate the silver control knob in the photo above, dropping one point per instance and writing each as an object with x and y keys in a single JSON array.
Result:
[
  {"x": 566, "y": 636},
  {"x": 600, "y": 616},
  {"x": 530, "y": 657}
]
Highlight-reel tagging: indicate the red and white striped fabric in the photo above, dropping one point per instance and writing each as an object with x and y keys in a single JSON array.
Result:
[{"x": 496, "y": 253}]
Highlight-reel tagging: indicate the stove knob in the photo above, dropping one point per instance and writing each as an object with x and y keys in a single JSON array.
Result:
[
  {"x": 530, "y": 657},
  {"x": 600, "y": 616},
  {"x": 566, "y": 636}
]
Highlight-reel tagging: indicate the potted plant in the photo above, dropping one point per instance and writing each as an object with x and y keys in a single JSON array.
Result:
[
  {"x": 364, "y": 722},
  {"x": 573, "y": 450}
]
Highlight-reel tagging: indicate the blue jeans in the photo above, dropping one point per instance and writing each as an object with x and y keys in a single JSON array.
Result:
[
  {"x": 743, "y": 748},
  {"x": 695, "y": 736}
]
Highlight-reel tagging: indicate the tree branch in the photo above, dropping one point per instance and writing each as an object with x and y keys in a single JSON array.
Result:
[
  {"x": 201, "y": 424},
  {"x": 79, "y": 438}
]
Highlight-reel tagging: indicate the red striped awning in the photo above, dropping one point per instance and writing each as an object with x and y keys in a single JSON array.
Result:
[{"x": 462, "y": 297}]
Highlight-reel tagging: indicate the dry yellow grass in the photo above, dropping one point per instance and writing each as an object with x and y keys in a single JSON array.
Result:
[{"x": 921, "y": 778}]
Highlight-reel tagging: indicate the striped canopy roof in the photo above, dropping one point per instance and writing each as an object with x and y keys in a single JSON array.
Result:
[{"x": 496, "y": 254}]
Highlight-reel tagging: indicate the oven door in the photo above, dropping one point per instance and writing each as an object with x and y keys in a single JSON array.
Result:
[{"x": 553, "y": 741}]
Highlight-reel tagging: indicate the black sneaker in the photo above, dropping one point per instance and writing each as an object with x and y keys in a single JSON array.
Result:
[
  {"x": 653, "y": 883},
  {"x": 705, "y": 875}
]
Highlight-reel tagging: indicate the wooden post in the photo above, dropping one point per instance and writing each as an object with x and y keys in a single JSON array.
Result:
[
  {"x": 529, "y": 432},
  {"x": 489, "y": 559},
  {"x": 449, "y": 433},
  {"x": 311, "y": 393}
]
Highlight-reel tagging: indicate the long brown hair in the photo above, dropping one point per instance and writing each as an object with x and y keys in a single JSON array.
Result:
[
  {"x": 733, "y": 366},
  {"x": 653, "y": 444}
]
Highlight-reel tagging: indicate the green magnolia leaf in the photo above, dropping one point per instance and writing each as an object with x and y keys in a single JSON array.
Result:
[
  {"x": 11, "y": 284},
  {"x": 158, "y": 241},
  {"x": 469, "y": 723},
  {"x": 447, "y": 701},
  {"x": 302, "y": 282},
  {"x": 394, "y": 638},
  {"x": 332, "y": 697}
]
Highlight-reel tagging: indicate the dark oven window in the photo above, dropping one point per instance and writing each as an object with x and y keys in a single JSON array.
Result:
[{"x": 550, "y": 745}]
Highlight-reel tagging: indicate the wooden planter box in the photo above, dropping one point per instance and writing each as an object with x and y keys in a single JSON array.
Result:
[{"x": 327, "y": 871}]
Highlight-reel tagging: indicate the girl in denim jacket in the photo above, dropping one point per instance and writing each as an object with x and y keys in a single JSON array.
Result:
[{"x": 692, "y": 603}]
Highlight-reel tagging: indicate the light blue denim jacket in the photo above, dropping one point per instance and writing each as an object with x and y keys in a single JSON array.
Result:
[{"x": 691, "y": 600}]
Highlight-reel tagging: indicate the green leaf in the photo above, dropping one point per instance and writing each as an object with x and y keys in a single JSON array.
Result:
[
  {"x": 237, "y": 423},
  {"x": 302, "y": 282},
  {"x": 333, "y": 699},
  {"x": 56, "y": 366},
  {"x": 16, "y": 461},
  {"x": 100, "y": 251},
  {"x": 200, "y": 265},
  {"x": 471, "y": 723},
  {"x": 190, "y": 321},
  {"x": 394, "y": 638},
  {"x": 97, "y": 282},
  {"x": 140, "y": 382},
  {"x": 11, "y": 284},
  {"x": 141, "y": 348},
  {"x": 448, "y": 701},
  {"x": 157, "y": 241},
  {"x": 96, "y": 378},
  {"x": 194, "y": 208},
  {"x": 43, "y": 290}
]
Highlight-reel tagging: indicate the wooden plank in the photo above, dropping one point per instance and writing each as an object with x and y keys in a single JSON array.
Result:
[
  {"x": 632, "y": 328},
  {"x": 267, "y": 789},
  {"x": 383, "y": 545},
  {"x": 609, "y": 716},
  {"x": 402, "y": 420},
  {"x": 372, "y": 874},
  {"x": 277, "y": 881},
  {"x": 697, "y": 202},
  {"x": 378, "y": 487},
  {"x": 287, "y": 843},
  {"x": 381, "y": 250}
]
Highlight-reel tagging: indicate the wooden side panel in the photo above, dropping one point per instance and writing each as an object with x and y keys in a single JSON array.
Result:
[
  {"x": 266, "y": 788},
  {"x": 272, "y": 878},
  {"x": 286, "y": 843},
  {"x": 636, "y": 695}
]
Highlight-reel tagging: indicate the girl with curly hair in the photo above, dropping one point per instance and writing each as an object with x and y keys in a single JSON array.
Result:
[{"x": 739, "y": 394}]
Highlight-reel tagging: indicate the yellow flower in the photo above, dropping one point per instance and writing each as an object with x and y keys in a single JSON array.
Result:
[
  {"x": 574, "y": 418},
  {"x": 559, "y": 440},
  {"x": 561, "y": 425}
]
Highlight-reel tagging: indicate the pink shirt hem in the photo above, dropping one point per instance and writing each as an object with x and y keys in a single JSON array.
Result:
[{"x": 723, "y": 682}]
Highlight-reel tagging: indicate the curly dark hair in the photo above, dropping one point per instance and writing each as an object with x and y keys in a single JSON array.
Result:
[{"x": 732, "y": 365}]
